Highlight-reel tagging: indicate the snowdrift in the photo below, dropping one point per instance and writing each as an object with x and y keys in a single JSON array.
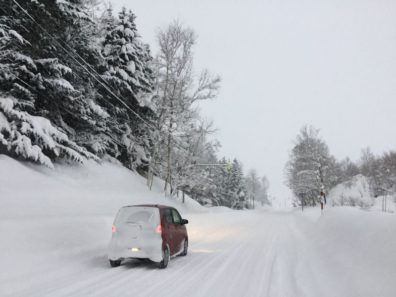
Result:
[
  {"x": 28, "y": 190},
  {"x": 355, "y": 192},
  {"x": 351, "y": 250},
  {"x": 48, "y": 216}
]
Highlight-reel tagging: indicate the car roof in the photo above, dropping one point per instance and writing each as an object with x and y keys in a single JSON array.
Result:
[{"x": 150, "y": 205}]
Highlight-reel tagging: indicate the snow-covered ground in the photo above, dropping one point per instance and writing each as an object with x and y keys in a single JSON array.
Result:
[{"x": 55, "y": 226}]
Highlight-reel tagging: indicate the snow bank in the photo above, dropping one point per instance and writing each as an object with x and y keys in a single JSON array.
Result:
[
  {"x": 355, "y": 192},
  {"x": 49, "y": 216},
  {"x": 350, "y": 251},
  {"x": 28, "y": 190}
]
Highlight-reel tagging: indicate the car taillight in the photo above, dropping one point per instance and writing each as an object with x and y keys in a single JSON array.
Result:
[
  {"x": 113, "y": 229},
  {"x": 158, "y": 229}
]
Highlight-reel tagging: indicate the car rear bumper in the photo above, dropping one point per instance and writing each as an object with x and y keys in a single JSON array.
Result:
[{"x": 151, "y": 250}]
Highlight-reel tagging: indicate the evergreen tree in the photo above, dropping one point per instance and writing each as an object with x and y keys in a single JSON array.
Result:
[
  {"x": 55, "y": 77},
  {"x": 128, "y": 72},
  {"x": 236, "y": 186},
  {"x": 223, "y": 172},
  {"x": 127, "y": 60},
  {"x": 22, "y": 84},
  {"x": 59, "y": 35},
  {"x": 229, "y": 185}
]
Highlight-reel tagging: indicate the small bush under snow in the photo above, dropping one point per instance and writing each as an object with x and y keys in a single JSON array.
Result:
[{"x": 355, "y": 192}]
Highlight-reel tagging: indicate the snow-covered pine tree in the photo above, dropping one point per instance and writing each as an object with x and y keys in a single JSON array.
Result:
[
  {"x": 128, "y": 60},
  {"x": 205, "y": 189},
  {"x": 221, "y": 174},
  {"x": 76, "y": 46},
  {"x": 22, "y": 132},
  {"x": 127, "y": 71},
  {"x": 60, "y": 75},
  {"x": 229, "y": 184},
  {"x": 57, "y": 32},
  {"x": 237, "y": 186}
]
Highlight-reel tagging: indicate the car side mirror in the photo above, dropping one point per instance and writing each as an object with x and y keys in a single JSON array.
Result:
[{"x": 183, "y": 221}]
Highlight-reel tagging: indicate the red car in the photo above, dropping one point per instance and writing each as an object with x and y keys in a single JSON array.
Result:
[{"x": 155, "y": 232}]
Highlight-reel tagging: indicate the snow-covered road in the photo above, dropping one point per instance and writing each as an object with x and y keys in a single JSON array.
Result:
[
  {"x": 231, "y": 254},
  {"x": 246, "y": 253}
]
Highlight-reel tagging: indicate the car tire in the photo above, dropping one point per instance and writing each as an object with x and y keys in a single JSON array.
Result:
[
  {"x": 165, "y": 258},
  {"x": 185, "y": 247},
  {"x": 115, "y": 263}
]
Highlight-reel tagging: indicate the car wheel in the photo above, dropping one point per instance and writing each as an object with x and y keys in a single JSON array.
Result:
[
  {"x": 165, "y": 258},
  {"x": 185, "y": 248},
  {"x": 115, "y": 263}
]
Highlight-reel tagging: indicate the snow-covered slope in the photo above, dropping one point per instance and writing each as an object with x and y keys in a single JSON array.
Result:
[
  {"x": 49, "y": 215},
  {"x": 28, "y": 190},
  {"x": 355, "y": 192}
]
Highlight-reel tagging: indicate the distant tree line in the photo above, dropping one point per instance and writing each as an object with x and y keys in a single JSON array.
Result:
[
  {"x": 78, "y": 83},
  {"x": 312, "y": 169}
]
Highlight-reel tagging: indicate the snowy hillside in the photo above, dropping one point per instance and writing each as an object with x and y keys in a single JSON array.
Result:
[
  {"x": 28, "y": 190},
  {"x": 47, "y": 216}
]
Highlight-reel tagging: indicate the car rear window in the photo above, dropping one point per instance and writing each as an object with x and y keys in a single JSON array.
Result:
[{"x": 130, "y": 215}]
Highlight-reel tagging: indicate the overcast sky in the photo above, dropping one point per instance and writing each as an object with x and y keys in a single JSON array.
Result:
[{"x": 287, "y": 63}]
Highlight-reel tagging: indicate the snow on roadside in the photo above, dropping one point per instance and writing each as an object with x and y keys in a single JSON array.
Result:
[
  {"x": 354, "y": 246},
  {"x": 49, "y": 215},
  {"x": 28, "y": 190}
]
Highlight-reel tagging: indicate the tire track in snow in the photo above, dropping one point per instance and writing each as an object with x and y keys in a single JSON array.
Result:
[
  {"x": 251, "y": 254},
  {"x": 121, "y": 285},
  {"x": 198, "y": 272},
  {"x": 283, "y": 282}
]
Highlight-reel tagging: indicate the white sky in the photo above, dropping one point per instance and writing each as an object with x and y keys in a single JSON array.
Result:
[{"x": 287, "y": 63}]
